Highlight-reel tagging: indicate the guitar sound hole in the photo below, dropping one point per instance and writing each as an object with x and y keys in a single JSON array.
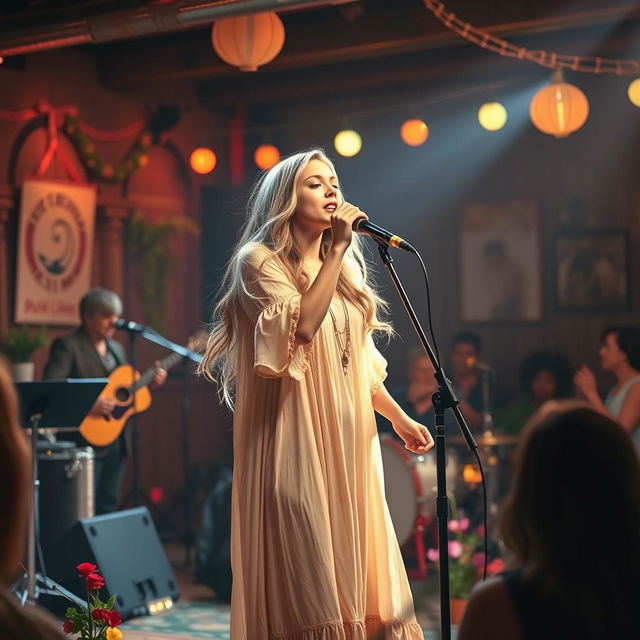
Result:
[{"x": 122, "y": 394}]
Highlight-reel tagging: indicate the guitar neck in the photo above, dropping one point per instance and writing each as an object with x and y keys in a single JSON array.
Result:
[{"x": 148, "y": 375}]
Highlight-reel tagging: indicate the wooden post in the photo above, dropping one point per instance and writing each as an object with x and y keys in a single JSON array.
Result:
[{"x": 109, "y": 259}]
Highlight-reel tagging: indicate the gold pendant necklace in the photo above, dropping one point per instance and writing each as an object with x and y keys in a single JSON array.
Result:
[{"x": 345, "y": 349}]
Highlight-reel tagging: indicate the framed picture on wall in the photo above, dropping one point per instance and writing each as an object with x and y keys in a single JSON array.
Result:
[
  {"x": 592, "y": 271},
  {"x": 500, "y": 263}
]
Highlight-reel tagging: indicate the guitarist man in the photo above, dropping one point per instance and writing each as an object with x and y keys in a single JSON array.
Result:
[{"x": 90, "y": 352}]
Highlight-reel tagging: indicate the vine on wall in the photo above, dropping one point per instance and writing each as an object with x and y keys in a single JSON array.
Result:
[{"x": 150, "y": 248}]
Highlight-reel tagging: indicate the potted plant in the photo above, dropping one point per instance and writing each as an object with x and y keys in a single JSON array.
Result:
[
  {"x": 466, "y": 563},
  {"x": 18, "y": 345}
]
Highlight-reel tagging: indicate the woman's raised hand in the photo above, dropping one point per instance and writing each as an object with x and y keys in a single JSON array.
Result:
[{"x": 342, "y": 220}]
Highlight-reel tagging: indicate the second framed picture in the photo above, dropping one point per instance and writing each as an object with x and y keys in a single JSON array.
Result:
[
  {"x": 592, "y": 271},
  {"x": 500, "y": 264}
]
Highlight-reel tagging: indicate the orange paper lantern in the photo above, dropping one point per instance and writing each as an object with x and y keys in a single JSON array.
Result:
[
  {"x": 203, "y": 160},
  {"x": 559, "y": 108},
  {"x": 414, "y": 132},
  {"x": 266, "y": 155},
  {"x": 248, "y": 42}
]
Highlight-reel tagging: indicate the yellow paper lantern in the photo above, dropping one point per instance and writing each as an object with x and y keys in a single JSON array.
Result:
[
  {"x": 414, "y": 132},
  {"x": 492, "y": 116},
  {"x": 634, "y": 92},
  {"x": 248, "y": 42},
  {"x": 559, "y": 108},
  {"x": 348, "y": 143},
  {"x": 266, "y": 156},
  {"x": 203, "y": 160}
]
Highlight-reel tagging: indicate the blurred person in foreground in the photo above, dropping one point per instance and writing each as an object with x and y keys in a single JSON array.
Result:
[
  {"x": 576, "y": 473},
  {"x": 16, "y": 622}
]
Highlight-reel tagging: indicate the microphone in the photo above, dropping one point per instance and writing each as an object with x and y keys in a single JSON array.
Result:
[
  {"x": 130, "y": 326},
  {"x": 361, "y": 225},
  {"x": 474, "y": 363}
]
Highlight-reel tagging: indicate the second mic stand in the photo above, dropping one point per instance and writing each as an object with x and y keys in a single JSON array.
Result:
[{"x": 443, "y": 399}]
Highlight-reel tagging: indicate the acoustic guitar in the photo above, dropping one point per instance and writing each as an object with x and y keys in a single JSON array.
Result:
[{"x": 130, "y": 393}]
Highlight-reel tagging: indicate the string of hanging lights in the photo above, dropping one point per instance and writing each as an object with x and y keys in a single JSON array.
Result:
[{"x": 547, "y": 59}]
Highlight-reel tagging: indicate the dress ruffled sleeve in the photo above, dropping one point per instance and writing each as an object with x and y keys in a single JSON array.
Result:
[
  {"x": 272, "y": 303},
  {"x": 377, "y": 364}
]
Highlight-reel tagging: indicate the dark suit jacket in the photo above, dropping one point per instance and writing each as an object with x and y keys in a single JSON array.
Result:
[{"x": 75, "y": 356}]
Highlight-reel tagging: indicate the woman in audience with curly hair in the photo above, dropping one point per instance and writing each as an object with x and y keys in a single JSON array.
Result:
[
  {"x": 544, "y": 375},
  {"x": 16, "y": 622},
  {"x": 576, "y": 474}
]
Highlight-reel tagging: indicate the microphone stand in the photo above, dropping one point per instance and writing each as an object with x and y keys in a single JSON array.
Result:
[
  {"x": 150, "y": 335},
  {"x": 443, "y": 399}
]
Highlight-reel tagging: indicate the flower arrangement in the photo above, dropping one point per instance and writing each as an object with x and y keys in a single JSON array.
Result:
[
  {"x": 466, "y": 561},
  {"x": 99, "y": 621}
]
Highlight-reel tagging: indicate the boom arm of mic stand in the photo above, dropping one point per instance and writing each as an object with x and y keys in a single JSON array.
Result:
[
  {"x": 443, "y": 399},
  {"x": 156, "y": 338}
]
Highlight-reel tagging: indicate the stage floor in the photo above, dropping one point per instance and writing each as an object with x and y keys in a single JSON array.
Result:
[{"x": 196, "y": 615}]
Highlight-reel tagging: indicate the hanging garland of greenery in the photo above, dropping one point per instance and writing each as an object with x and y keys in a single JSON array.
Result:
[
  {"x": 136, "y": 158},
  {"x": 164, "y": 118}
]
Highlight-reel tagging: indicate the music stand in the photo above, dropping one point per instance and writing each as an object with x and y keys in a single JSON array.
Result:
[{"x": 50, "y": 404}]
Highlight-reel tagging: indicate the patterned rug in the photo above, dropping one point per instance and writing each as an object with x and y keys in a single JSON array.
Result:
[{"x": 191, "y": 620}]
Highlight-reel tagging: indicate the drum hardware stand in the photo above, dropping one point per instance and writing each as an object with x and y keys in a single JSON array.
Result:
[
  {"x": 443, "y": 399},
  {"x": 49, "y": 404}
]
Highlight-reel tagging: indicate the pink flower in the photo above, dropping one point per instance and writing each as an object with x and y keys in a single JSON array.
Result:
[
  {"x": 495, "y": 566},
  {"x": 481, "y": 530},
  {"x": 464, "y": 524},
  {"x": 455, "y": 548},
  {"x": 454, "y": 525},
  {"x": 432, "y": 555},
  {"x": 67, "y": 626},
  {"x": 478, "y": 559}
]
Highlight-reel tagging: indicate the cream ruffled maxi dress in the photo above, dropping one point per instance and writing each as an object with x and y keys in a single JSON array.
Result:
[{"x": 313, "y": 549}]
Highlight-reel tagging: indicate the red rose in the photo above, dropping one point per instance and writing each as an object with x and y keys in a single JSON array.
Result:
[
  {"x": 100, "y": 614},
  {"x": 113, "y": 618},
  {"x": 67, "y": 626},
  {"x": 85, "y": 568},
  {"x": 94, "y": 582}
]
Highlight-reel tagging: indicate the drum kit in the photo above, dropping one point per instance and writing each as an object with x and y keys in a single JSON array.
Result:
[
  {"x": 65, "y": 472},
  {"x": 411, "y": 486}
]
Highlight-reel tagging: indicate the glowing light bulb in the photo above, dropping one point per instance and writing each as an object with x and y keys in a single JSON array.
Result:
[{"x": 348, "y": 143}]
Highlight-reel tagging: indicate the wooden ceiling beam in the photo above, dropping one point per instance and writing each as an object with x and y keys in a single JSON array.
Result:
[{"x": 315, "y": 44}]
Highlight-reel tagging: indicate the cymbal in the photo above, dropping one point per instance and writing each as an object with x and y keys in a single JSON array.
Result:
[{"x": 488, "y": 441}]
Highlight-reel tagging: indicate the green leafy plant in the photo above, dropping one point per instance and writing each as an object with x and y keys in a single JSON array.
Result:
[
  {"x": 20, "y": 342},
  {"x": 150, "y": 248}
]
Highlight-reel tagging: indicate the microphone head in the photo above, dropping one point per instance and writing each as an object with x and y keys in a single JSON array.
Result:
[
  {"x": 356, "y": 224},
  {"x": 121, "y": 323}
]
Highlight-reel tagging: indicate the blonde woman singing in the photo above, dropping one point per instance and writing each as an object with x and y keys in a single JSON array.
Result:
[{"x": 314, "y": 554}]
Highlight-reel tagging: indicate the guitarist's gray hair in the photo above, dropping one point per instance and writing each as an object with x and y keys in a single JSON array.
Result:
[{"x": 100, "y": 301}]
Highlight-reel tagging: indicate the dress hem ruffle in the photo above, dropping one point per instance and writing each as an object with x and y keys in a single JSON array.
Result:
[{"x": 356, "y": 630}]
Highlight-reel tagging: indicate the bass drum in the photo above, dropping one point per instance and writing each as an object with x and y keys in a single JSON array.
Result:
[
  {"x": 410, "y": 484},
  {"x": 65, "y": 472}
]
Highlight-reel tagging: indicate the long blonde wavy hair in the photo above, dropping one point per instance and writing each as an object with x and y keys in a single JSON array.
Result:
[{"x": 272, "y": 204}]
